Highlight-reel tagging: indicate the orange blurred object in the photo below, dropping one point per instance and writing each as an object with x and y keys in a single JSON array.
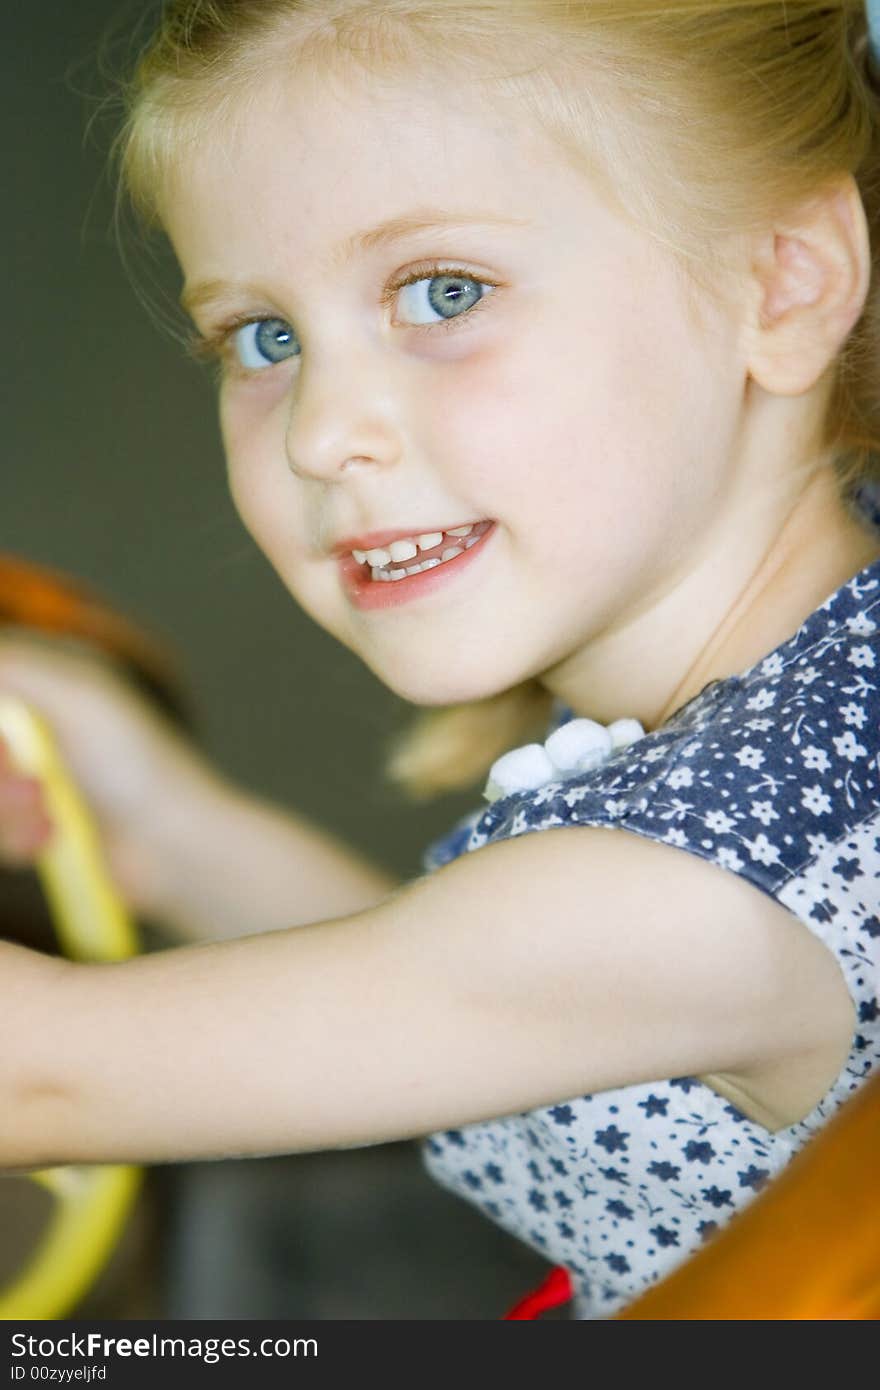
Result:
[
  {"x": 807, "y": 1248},
  {"x": 40, "y": 599}
]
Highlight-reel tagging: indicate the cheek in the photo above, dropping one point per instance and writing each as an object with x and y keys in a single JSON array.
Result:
[
  {"x": 259, "y": 482},
  {"x": 608, "y": 414},
  {"x": 530, "y": 423},
  {"x": 493, "y": 417},
  {"x": 269, "y": 503}
]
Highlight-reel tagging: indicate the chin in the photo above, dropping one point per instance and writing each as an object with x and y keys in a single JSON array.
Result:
[{"x": 444, "y": 685}]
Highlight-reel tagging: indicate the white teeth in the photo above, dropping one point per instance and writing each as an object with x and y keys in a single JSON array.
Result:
[
  {"x": 403, "y": 550},
  {"x": 380, "y": 559},
  {"x": 378, "y": 573},
  {"x": 409, "y": 547}
]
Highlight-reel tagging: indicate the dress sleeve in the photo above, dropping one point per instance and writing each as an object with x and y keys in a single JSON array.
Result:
[{"x": 772, "y": 776}]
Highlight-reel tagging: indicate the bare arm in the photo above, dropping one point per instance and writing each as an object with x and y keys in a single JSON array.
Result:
[
  {"x": 530, "y": 971},
  {"x": 186, "y": 847},
  {"x": 236, "y": 864}
]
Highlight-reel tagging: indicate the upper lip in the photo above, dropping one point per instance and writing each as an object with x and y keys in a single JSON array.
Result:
[{"x": 380, "y": 540}]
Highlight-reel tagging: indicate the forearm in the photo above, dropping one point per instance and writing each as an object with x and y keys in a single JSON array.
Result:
[
  {"x": 207, "y": 1051},
  {"x": 241, "y": 865},
  {"x": 434, "y": 1009},
  {"x": 34, "y": 1031}
]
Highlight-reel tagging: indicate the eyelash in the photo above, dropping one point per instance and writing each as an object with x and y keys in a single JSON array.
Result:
[{"x": 208, "y": 347}]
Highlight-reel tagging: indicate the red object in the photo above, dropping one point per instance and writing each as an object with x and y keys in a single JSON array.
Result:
[{"x": 555, "y": 1290}]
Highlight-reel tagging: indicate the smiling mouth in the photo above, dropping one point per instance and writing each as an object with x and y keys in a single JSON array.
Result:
[{"x": 415, "y": 554}]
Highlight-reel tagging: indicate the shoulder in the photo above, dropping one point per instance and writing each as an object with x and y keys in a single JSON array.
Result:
[{"x": 759, "y": 774}]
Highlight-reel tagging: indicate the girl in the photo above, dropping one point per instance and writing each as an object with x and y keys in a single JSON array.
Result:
[{"x": 547, "y": 383}]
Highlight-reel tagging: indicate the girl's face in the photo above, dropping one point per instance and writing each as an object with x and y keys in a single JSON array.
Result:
[{"x": 542, "y": 371}]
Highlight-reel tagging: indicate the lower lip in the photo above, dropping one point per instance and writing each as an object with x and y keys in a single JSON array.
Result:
[{"x": 371, "y": 594}]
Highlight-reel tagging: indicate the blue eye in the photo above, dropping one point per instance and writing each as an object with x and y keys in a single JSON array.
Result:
[
  {"x": 264, "y": 343},
  {"x": 447, "y": 296}
]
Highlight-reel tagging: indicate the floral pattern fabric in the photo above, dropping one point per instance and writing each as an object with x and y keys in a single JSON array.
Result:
[{"x": 773, "y": 775}]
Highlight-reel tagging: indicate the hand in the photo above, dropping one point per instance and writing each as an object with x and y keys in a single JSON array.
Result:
[
  {"x": 24, "y": 824},
  {"x": 142, "y": 780}
]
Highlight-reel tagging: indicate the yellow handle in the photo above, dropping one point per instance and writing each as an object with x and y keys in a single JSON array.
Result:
[
  {"x": 91, "y": 1203},
  {"x": 90, "y": 920}
]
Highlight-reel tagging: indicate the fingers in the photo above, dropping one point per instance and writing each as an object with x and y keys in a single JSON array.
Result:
[{"x": 25, "y": 827}]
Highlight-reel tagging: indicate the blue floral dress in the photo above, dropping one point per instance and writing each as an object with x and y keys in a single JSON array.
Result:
[{"x": 774, "y": 775}]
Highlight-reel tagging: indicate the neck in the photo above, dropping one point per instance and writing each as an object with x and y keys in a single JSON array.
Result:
[{"x": 713, "y": 623}]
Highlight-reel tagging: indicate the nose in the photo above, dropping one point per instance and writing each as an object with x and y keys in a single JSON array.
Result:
[{"x": 341, "y": 415}]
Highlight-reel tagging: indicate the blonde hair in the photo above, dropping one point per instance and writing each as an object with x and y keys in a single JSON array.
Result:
[{"x": 703, "y": 121}]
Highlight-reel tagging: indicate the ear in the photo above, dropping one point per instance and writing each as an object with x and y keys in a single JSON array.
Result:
[{"x": 811, "y": 278}]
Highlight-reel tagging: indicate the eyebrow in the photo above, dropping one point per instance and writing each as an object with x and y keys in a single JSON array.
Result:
[{"x": 384, "y": 234}]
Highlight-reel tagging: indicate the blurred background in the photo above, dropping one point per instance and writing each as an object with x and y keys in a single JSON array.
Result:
[{"x": 113, "y": 475}]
